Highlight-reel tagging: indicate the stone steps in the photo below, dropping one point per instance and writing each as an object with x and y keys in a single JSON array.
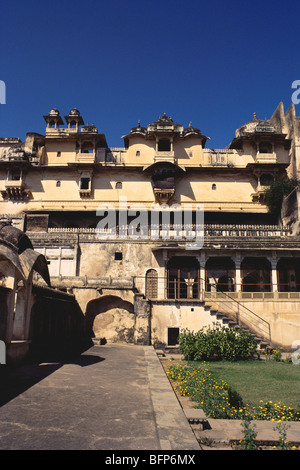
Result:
[{"x": 231, "y": 323}]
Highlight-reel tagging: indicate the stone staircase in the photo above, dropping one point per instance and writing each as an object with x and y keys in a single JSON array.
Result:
[
  {"x": 232, "y": 314},
  {"x": 228, "y": 317}
]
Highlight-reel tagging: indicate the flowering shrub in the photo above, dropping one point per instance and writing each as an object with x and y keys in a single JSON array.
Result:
[
  {"x": 219, "y": 401},
  {"x": 218, "y": 342}
]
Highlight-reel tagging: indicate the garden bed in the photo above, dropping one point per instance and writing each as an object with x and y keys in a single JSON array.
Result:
[
  {"x": 252, "y": 375},
  {"x": 220, "y": 399}
]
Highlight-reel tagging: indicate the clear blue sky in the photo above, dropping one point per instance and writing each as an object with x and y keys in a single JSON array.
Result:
[{"x": 210, "y": 62}]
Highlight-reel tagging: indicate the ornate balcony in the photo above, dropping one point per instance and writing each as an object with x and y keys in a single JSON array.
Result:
[
  {"x": 82, "y": 157},
  {"x": 15, "y": 189},
  {"x": 164, "y": 156},
  {"x": 266, "y": 158}
]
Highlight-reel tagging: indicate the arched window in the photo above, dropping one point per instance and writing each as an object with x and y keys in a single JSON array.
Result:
[
  {"x": 119, "y": 185},
  {"x": 151, "y": 289},
  {"x": 58, "y": 184}
]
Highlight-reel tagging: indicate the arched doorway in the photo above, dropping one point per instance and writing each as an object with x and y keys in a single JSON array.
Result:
[
  {"x": 112, "y": 318},
  {"x": 220, "y": 274},
  {"x": 183, "y": 278},
  {"x": 151, "y": 288},
  {"x": 256, "y": 275}
]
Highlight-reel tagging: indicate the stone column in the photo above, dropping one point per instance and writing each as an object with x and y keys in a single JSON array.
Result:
[
  {"x": 238, "y": 278},
  {"x": 202, "y": 259},
  {"x": 164, "y": 280},
  {"x": 274, "y": 282},
  {"x": 274, "y": 276}
]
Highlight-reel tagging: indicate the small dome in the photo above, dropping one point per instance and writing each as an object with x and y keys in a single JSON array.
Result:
[
  {"x": 13, "y": 235},
  {"x": 191, "y": 130},
  {"x": 74, "y": 112},
  {"x": 254, "y": 126},
  {"x": 138, "y": 129},
  {"x": 54, "y": 112}
]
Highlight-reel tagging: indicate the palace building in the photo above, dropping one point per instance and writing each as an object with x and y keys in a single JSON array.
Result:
[{"x": 164, "y": 233}]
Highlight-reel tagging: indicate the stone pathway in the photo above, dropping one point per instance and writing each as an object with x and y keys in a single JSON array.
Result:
[{"x": 112, "y": 397}]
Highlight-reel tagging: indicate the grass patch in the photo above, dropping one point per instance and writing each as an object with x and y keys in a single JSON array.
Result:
[
  {"x": 261, "y": 380},
  {"x": 241, "y": 390}
]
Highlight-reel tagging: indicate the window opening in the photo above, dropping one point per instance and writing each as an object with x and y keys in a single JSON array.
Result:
[
  {"x": 84, "y": 183},
  {"x": 173, "y": 334},
  {"x": 164, "y": 145}
]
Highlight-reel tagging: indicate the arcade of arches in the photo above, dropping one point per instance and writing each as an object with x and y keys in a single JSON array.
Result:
[{"x": 186, "y": 276}]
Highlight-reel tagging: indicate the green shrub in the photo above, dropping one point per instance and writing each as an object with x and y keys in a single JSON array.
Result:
[
  {"x": 250, "y": 434},
  {"x": 217, "y": 343},
  {"x": 275, "y": 193}
]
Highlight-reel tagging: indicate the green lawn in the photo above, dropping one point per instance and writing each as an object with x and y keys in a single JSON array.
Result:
[{"x": 261, "y": 380}]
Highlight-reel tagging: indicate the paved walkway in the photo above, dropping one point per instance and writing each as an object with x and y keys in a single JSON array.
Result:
[
  {"x": 225, "y": 430},
  {"x": 113, "y": 397}
]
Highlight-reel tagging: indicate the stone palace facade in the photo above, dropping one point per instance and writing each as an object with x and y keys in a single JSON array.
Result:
[{"x": 164, "y": 233}]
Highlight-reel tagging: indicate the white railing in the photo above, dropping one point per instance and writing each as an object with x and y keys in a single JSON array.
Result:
[
  {"x": 222, "y": 157},
  {"x": 266, "y": 158}
]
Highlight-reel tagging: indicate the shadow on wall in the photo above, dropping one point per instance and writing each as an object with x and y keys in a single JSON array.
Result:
[
  {"x": 111, "y": 319},
  {"x": 57, "y": 328}
]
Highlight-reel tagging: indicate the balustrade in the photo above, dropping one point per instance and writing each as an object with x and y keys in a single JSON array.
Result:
[{"x": 164, "y": 231}]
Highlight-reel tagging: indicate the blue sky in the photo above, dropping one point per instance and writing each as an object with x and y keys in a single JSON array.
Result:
[{"x": 213, "y": 63}]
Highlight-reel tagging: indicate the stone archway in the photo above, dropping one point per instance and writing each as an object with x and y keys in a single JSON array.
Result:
[
  {"x": 112, "y": 318},
  {"x": 256, "y": 274},
  {"x": 220, "y": 274}
]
